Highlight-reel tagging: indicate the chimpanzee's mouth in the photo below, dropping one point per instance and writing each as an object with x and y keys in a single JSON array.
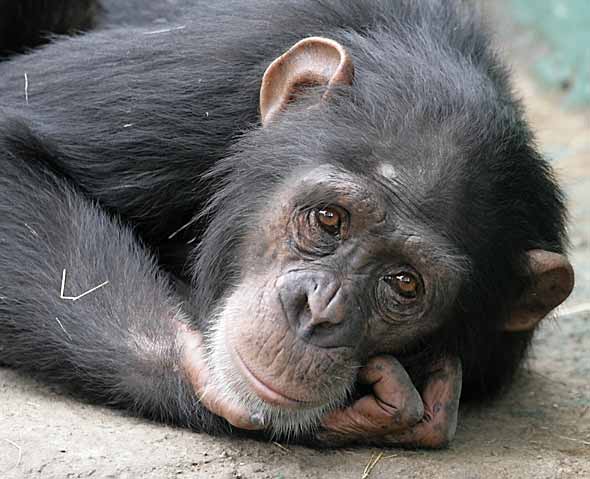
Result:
[{"x": 266, "y": 392}]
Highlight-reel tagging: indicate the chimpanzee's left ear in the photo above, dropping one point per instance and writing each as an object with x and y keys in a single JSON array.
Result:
[
  {"x": 312, "y": 62},
  {"x": 551, "y": 283}
]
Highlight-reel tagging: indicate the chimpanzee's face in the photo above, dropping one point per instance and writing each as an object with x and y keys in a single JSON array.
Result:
[
  {"x": 344, "y": 248},
  {"x": 329, "y": 275}
]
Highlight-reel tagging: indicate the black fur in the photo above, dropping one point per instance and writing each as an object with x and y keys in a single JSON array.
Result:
[
  {"x": 25, "y": 24},
  {"x": 29, "y": 23},
  {"x": 139, "y": 128},
  {"x": 117, "y": 346}
]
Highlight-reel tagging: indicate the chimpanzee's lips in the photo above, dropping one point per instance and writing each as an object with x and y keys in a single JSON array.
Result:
[{"x": 264, "y": 391}]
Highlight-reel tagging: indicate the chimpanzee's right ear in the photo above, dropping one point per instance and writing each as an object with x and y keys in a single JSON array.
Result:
[{"x": 312, "y": 62}]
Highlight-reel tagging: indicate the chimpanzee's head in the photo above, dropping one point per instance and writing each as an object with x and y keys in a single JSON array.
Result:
[{"x": 371, "y": 215}]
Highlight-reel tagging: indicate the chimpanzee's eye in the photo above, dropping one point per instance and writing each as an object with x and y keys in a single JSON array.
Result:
[
  {"x": 405, "y": 284},
  {"x": 332, "y": 220},
  {"x": 319, "y": 231}
]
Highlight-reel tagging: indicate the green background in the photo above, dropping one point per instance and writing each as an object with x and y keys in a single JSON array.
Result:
[{"x": 564, "y": 28}]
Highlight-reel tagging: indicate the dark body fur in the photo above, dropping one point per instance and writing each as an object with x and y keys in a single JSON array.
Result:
[
  {"x": 28, "y": 23},
  {"x": 25, "y": 24},
  {"x": 129, "y": 132}
]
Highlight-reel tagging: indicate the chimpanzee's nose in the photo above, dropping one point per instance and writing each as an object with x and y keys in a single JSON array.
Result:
[{"x": 320, "y": 309}]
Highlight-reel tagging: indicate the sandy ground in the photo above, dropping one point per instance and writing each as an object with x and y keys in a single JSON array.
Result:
[{"x": 541, "y": 429}]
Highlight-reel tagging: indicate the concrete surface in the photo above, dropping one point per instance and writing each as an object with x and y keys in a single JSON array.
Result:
[{"x": 541, "y": 429}]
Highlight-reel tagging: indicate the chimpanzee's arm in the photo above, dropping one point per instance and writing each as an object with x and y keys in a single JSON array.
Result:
[{"x": 120, "y": 344}]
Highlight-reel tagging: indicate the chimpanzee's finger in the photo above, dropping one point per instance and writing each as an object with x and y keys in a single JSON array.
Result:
[
  {"x": 197, "y": 371},
  {"x": 233, "y": 413},
  {"x": 441, "y": 408},
  {"x": 395, "y": 404},
  {"x": 395, "y": 400}
]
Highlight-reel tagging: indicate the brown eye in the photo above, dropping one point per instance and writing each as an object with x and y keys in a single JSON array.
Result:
[
  {"x": 331, "y": 220},
  {"x": 405, "y": 284}
]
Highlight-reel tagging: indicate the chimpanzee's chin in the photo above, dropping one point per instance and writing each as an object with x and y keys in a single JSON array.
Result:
[{"x": 265, "y": 390}]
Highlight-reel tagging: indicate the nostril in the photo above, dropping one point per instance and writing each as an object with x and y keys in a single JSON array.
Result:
[
  {"x": 305, "y": 315},
  {"x": 324, "y": 325}
]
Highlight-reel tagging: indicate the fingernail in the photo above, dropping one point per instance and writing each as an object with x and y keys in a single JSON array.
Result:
[{"x": 257, "y": 419}]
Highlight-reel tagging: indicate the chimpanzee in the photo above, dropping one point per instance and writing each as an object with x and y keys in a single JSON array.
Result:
[{"x": 315, "y": 219}]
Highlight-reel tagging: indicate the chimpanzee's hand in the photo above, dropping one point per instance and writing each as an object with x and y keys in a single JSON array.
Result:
[
  {"x": 195, "y": 367},
  {"x": 396, "y": 414}
]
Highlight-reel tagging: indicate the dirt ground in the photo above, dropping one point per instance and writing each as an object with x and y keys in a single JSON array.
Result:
[{"x": 541, "y": 429}]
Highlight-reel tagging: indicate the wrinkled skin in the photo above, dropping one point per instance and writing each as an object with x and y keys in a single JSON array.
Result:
[{"x": 395, "y": 413}]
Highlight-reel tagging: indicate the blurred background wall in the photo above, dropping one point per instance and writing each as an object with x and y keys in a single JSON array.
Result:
[{"x": 559, "y": 35}]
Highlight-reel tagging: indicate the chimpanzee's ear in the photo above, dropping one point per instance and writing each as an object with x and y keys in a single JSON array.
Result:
[
  {"x": 551, "y": 283},
  {"x": 314, "y": 61}
]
